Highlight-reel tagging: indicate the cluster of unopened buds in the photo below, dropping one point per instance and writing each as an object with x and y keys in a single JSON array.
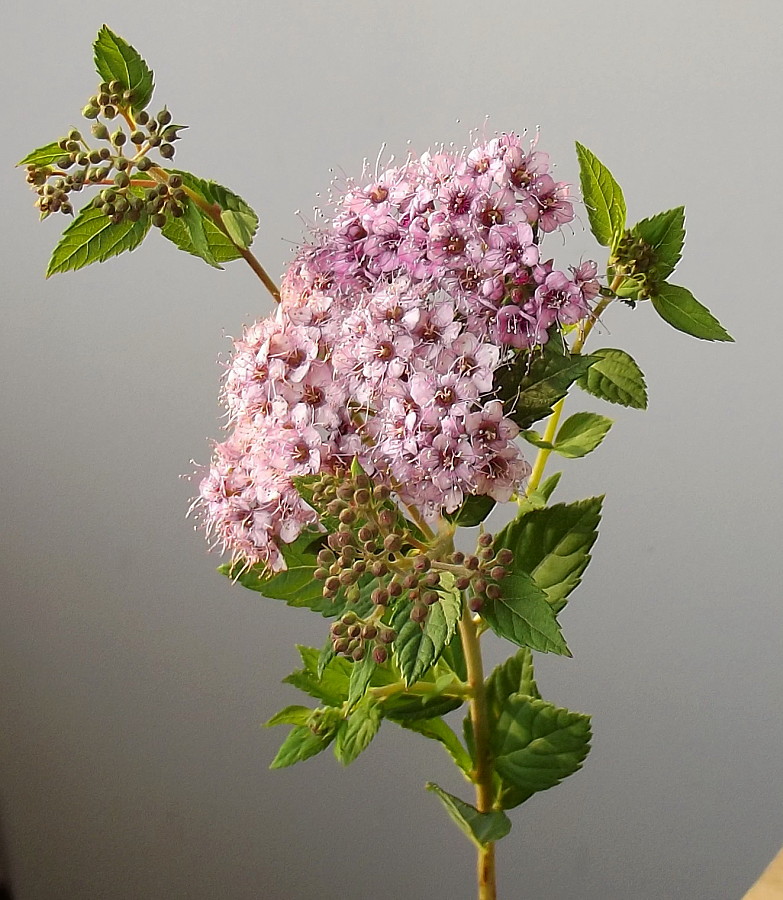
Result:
[{"x": 112, "y": 165}]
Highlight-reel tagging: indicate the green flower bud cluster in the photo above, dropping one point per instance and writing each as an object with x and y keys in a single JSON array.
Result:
[
  {"x": 355, "y": 637},
  {"x": 94, "y": 166},
  {"x": 110, "y": 100},
  {"x": 635, "y": 259},
  {"x": 158, "y": 202},
  {"x": 482, "y": 571}
]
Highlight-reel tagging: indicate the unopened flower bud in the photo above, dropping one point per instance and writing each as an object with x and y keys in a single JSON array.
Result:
[
  {"x": 358, "y": 654},
  {"x": 485, "y": 539},
  {"x": 158, "y": 220},
  {"x": 461, "y": 582},
  {"x": 475, "y": 603},
  {"x": 498, "y": 573},
  {"x": 380, "y": 655},
  {"x": 392, "y": 543},
  {"x": 493, "y": 591},
  {"x": 471, "y": 562},
  {"x": 167, "y": 151},
  {"x": 362, "y": 497},
  {"x": 386, "y": 518},
  {"x": 419, "y": 613},
  {"x": 100, "y": 131},
  {"x": 505, "y": 557}
]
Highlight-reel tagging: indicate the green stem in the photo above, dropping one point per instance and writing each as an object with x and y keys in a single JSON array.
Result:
[
  {"x": 557, "y": 410},
  {"x": 482, "y": 773}
]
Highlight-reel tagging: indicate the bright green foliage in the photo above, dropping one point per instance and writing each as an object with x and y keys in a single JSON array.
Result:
[
  {"x": 302, "y": 743},
  {"x": 553, "y": 545},
  {"x": 580, "y": 434},
  {"x": 665, "y": 234},
  {"x": 356, "y": 732},
  {"x": 514, "y": 676},
  {"x": 523, "y": 615},
  {"x": 473, "y": 511},
  {"x": 406, "y": 709},
  {"x": 197, "y": 232},
  {"x": 677, "y": 306},
  {"x": 536, "y": 745},
  {"x": 215, "y": 247},
  {"x": 602, "y": 196},
  {"x": 529, "y": 388},
  {"x": 92, "y": 237},
  {"x": 437, "y": 730},
  {"x": 47, "y": 155},
  {"x": 417, "y": 648},
  {"x": 614, "y": 376},
  {"x": 481, "y": 828},
  {"x": 291, "y": 715},
  {"x": 116, "y": 60},
  {"x": 361, "y": 675},
  {"x": 331, "y": 686}
]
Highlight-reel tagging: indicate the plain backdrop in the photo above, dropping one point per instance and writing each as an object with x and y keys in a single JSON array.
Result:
[{"x": 133, "y": 678}]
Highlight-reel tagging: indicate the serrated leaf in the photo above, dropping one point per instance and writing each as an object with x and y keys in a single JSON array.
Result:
[
  {"x": 536, "y": 745},
  {"x": 291, "y": 715},
  {"x": 481, "y": 828},
  {"x": 92, "y": 237},
  {"x": 475, "y": 508},
  {"x": 43, "y": 156},
  {"x": 331, "y": 686},
  {"x": 553, "y": 545},
  {"x": 437, "y": 730},
  {"x": 615, "y": 377},
  {"x": 219, "y": 247},
  {"x": 530, "y": 386},
  {"x": 237, "y": 216},
  {"x": 361, "y": 675},
  {"x": 665, "y": 233},
  {"x": 580, "y": 434},
  {"x": 514, "y": 676},
  {"x": 301, "y": 743},
  {"x": 406, "y": 708},
  {"x": 523, "y": 615},
  {"x": 547, "y": 487},
  {"x": 117, "y": 60},
  {"x": 602, "y": 196},
  {"x": 677, "y": 306},
  {"x": 357, "y": 731},
  {"x": 417, "y": 648}
]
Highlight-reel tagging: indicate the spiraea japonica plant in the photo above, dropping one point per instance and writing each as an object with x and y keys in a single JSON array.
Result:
[{"x": 392, "y": 399}]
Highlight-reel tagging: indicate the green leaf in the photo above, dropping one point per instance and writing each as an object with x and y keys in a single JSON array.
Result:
[
  {"x": 547, "y": 488},
  {"x": 357, "y": 731},
  {"x": 291, "y": 715},
  {"x": 602, "y": 197},
  {"x": 407, "y": 708},
  {"x": 437, "y": 730},
  {"x": 417, "y": 648},
  {"x": 454, "y": 657},
  {"x": 92, "y": 237},
  {"x": 532, "y": 384},
  {"x": 677, "y": 306},
  {"x": 331, "y": 686},
  {"x": 301, "y": 743},
  {"x": 194, "y": 222},
  {"x": 580, "y": 434},
  {"x": 534, "y": 438},
  {"x": 116, "y": 60},
  {"x": 473, "y": 511},
  {"x": 237, "y": 217},
  {"x": 297, "y": 585},
  {"x": 614, "y": 376},
  {"x": 665, "y": 233},
  {"x": 47, "y": 155},
  {"x": 219, "y": 248},
  {"x": 553, "y": 545},
  {"x": 361, "y": 675},
  {"x": 536, "y": 745},
  {"x": 523, "y": 615},
  {"x": 481, "y": 828},
  {"x": 514, "y": 676}
]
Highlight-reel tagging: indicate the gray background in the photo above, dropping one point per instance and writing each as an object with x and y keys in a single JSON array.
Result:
[{"x": 133, "y": 678}]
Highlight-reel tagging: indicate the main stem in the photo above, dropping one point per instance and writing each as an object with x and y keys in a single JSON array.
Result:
[{"x": 482, "y": 774}]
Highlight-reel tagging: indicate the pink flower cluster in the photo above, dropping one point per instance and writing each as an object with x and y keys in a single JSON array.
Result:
[{"x": 392, "y": 325}]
